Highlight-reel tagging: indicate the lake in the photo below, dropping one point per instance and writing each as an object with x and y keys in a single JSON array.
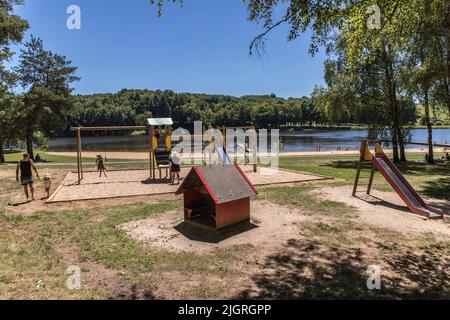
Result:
[{"x": 290, "y": 141}]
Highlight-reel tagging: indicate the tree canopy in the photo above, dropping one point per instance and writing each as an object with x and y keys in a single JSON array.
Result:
[
  {"x": 12, "y": 28},
  {"x": 132, "y": 107},
  {"x": 47, "y": 78}
]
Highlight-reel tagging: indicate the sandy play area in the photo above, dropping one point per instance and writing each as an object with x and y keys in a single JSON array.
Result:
[
  {"x": 270, "y": 224},
  {"x": 387, "y": 210},
  {"x": 136, "y": 183}
]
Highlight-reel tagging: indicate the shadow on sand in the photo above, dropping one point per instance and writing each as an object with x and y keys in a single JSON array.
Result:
[
  {"x": 310, "y": 270},
  {"x": 209, "y": 235},
  {"x": 375, "y": 201}
]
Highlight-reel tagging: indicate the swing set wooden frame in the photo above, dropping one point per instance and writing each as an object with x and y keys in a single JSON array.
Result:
[{"x": 149, "y": 128}]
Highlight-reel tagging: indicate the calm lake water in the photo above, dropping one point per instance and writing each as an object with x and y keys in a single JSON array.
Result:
[{"x": 290, "y": 142}]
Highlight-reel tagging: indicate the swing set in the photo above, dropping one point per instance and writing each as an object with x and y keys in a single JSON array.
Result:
[{"x": 159, "y": 149}]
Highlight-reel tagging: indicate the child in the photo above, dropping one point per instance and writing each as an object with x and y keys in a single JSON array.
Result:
[
  {"x": 174, "y": 167},
  {"x": 446, "y": 157},
  {"x": 47, "y": 184},
  {"x": 100, "y": 165}
]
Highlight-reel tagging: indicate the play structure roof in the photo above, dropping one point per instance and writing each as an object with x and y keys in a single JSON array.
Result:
[
  {"x": 224, "y": 183},
  {"x": 160, "y": 122}
]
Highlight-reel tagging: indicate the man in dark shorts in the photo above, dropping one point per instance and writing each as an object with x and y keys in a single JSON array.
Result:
[{"x": 25, "y": 168}]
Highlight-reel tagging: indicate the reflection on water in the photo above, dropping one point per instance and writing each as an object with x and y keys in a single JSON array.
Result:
[{"x": 289, "y": 142}]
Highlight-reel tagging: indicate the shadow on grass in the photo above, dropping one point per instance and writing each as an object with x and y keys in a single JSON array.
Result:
[
  {"x": 415, "y": 168},
  {"x": 38, "y": 162},
  {"x": 338, "y": 164},
  {"x": 439, "y": 188},
  {"x": 309, "y": 270},
  {"x": 133, "y": 293}
]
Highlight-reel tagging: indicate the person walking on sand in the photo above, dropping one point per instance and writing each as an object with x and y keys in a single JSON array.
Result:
[
  {"x": 100, "y": 165},
  {"x": 25, "y": 167},
  {"x": 175, "y": 168}
]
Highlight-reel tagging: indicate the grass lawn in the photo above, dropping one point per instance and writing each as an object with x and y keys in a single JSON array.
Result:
[
  {"x": 32, "y": 265},
  {"x": 69, "y": 163},
  {"x": 431, "y": 181},
  {"x": 16, "y": 156}
]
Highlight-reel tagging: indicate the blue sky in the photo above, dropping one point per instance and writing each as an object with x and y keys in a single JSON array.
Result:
[{"x": 202, "y": 48}]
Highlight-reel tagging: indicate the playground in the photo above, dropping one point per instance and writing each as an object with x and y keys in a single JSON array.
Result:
[
  {"x": 307, "y": 236},
  {"x": 135, "y": 183},
  {"x": 85, "y": 185},
  {"x": 227, "y": 230}
]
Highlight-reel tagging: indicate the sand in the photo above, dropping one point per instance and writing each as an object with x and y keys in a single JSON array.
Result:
[
  {"x": 386, "y": 210},
  {"x": 136, "y": 183},
  {"x": 144, "y": 155},
  {"x": 271, "y": 224}
]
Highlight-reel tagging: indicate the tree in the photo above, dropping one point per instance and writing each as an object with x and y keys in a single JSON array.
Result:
[
  {"x": 12, "y": 28},
  {"x": 423, "y": 71},
  {"x": 47, "y": 78},
  {"x": 399, "y": 20},
  {"x": 367, "y": 91}
]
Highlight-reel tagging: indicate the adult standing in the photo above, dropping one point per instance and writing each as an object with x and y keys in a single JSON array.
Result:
[{"x": 25, "y": 167}]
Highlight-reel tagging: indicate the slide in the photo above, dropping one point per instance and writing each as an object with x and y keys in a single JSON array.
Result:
[
  {"x": 414, "y": 202},
  {"x": 223, "y": 156}
]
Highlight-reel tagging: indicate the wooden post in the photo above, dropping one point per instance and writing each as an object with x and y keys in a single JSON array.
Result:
[
  {"x": 150, "y": 148},
  {"x": 360, "y": 164},
  {"x": 153, "y": 165},
  {"x": 255, "y": 152},
  {"x": 372, "y": 174},
  {"x": 152, "y": 155},
  {"x": 81, "y": 157},
  {"x": 78, "y": 155}
]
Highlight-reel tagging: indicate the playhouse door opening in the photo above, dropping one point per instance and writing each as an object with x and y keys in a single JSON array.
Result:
[{"x": 202, "y": 211}]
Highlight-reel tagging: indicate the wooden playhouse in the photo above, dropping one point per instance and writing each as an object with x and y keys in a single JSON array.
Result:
[{"x": 217, "y": 196}]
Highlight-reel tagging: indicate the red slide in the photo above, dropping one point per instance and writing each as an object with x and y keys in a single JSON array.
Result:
[{"x": 414, "y": 202}]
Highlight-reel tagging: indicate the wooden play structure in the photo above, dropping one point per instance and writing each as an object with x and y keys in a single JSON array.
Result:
[
  {"x": 160, "y": 144},
  {"x": 216, "y": 196},
  {"x": 82, "y": 185},
  {"x": 381, "y": 163}
]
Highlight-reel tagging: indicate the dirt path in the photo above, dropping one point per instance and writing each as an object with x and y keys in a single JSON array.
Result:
[
  {"x": 270, "y": 226},
  {"x": 386, "y": 210}
]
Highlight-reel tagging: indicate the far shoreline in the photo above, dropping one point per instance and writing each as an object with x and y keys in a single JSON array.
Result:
[{"x": 127, "y": 155}]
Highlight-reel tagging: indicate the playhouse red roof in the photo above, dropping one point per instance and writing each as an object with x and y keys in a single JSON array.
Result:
[{"x": 224, "y": 183}]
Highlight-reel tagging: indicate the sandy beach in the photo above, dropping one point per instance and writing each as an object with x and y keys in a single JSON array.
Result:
[{"x": 144, "y": 155}]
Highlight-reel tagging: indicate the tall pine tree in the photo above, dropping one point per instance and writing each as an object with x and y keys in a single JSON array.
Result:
[{"x": 47, "y": 78}]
